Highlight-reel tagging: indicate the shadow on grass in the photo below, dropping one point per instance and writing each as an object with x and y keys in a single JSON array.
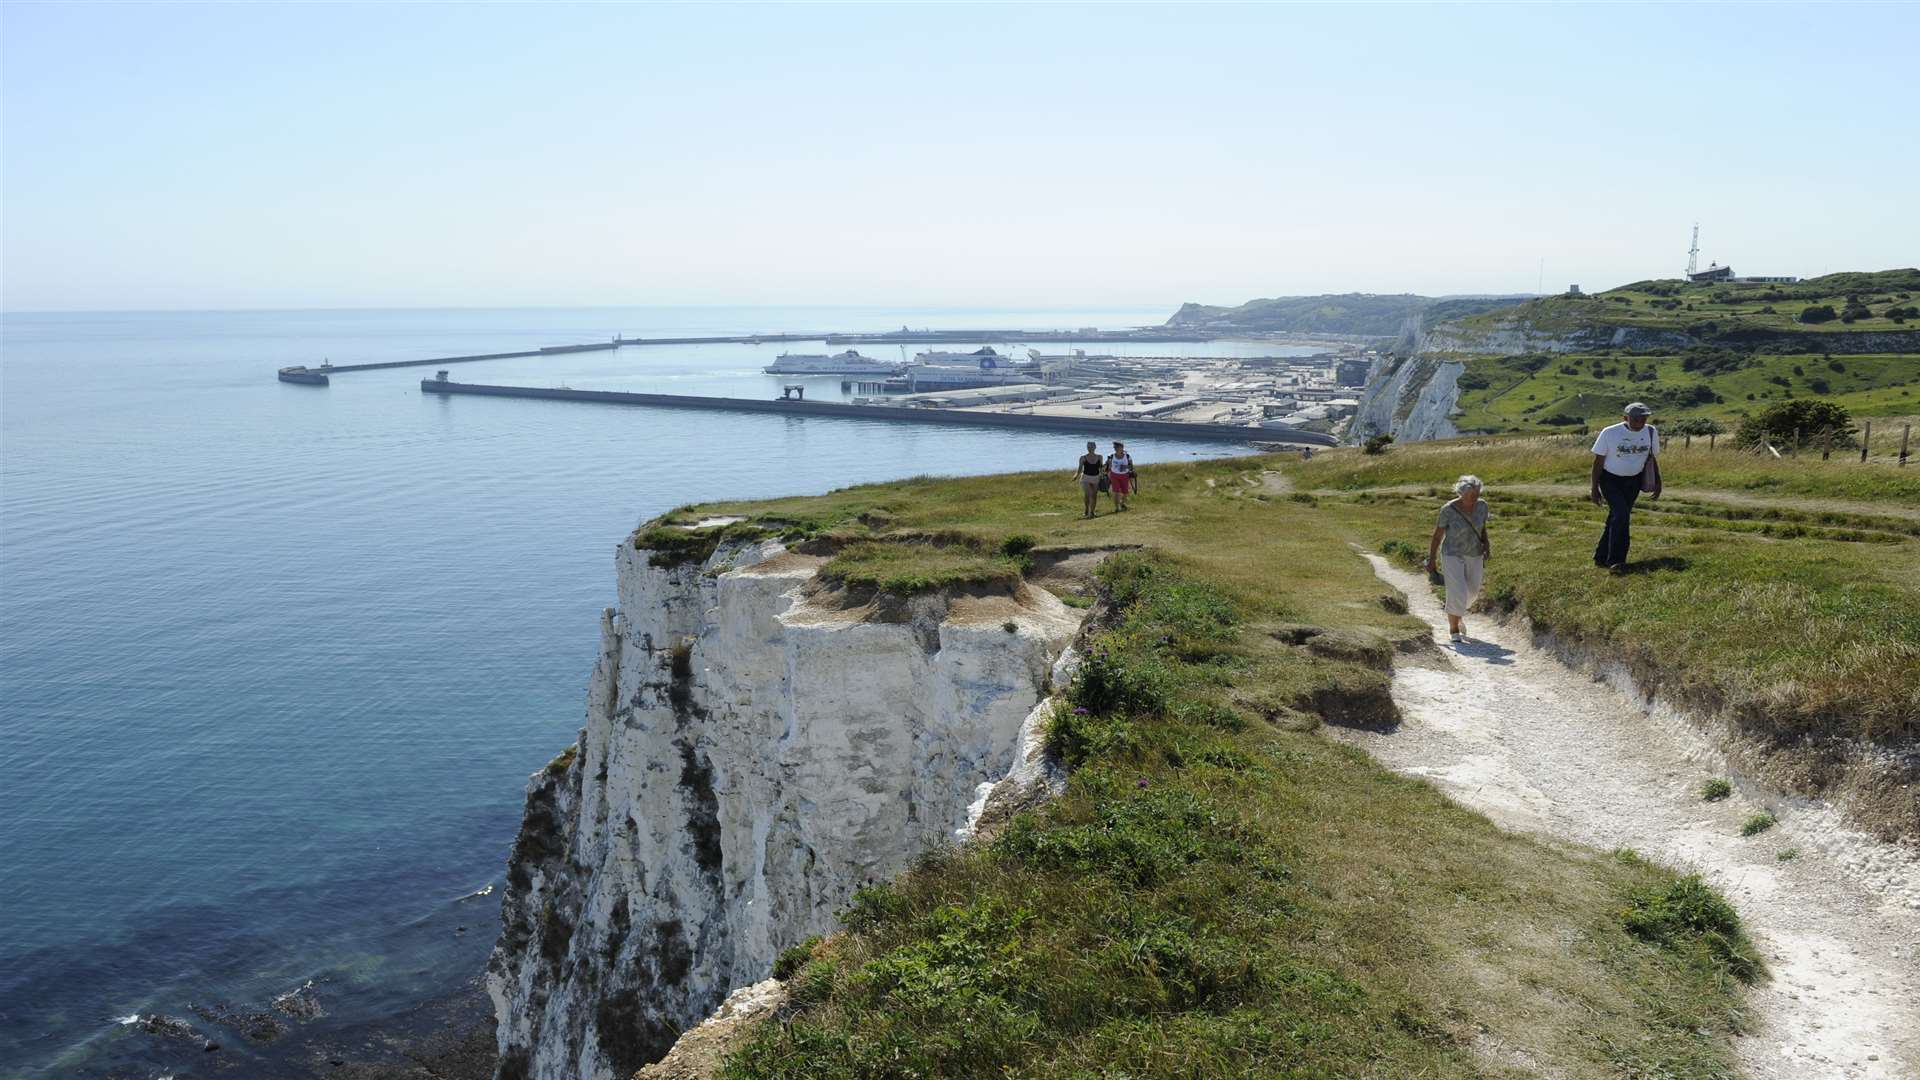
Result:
[{"x": 1664, "y": 562}]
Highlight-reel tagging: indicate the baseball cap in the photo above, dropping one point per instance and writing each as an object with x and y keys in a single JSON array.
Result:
[{"x": 1639, "y": 408}]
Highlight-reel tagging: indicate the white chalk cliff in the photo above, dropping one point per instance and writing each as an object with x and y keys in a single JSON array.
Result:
[{"x": 757, "y": 747}]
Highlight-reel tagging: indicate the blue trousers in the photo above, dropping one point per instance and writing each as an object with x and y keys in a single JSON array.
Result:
[{"x": 1620, "y": 492}]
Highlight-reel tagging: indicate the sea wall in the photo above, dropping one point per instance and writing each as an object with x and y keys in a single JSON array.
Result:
[{"x": 757, "y": 746}]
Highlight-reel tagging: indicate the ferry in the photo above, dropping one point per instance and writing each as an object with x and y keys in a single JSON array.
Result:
[{"x": 846, "y": 363}]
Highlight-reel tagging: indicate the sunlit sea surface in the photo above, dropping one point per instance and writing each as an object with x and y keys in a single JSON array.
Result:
[{"x": 277, "y": 660}]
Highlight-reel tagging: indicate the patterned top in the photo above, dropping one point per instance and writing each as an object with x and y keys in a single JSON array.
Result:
[{"x": 1463, "y": 536}]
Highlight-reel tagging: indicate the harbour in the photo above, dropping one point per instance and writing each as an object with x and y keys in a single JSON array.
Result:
[{"x": 1299, "y": 399}]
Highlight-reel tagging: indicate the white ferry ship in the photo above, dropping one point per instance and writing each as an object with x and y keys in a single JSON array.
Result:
[{"x": 846, "y": 363}]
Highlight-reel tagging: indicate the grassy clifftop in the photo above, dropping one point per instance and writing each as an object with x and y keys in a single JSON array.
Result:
[
  {"x": 1715, "y": 311},
  {"x": 1222, "y": 889}
]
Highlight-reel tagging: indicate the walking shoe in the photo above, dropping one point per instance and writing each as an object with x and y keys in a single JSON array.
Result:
[
  {"x": 1454, "y": 636},
  {"x": 1617, "y": 569}
]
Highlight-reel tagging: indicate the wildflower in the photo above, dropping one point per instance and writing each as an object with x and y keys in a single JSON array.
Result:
[
  {"x": 1141, "y": 783},
  {"x": 1079, "y": 711}
]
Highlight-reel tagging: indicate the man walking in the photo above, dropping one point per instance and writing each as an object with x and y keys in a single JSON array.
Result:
[{"x": 1624, "y": 465}]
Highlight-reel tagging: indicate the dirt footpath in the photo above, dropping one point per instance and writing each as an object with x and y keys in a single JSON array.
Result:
[{"x": 1511, "y": 731}]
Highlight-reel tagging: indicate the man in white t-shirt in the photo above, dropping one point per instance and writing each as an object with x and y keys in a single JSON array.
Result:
[{"x": 1622, "y": 454}]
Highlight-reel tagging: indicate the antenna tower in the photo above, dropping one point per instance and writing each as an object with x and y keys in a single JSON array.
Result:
[{"x": 1693, "y": 253}]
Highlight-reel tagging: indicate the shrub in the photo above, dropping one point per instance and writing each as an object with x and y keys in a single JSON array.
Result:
[
  {"x": 1378, "y": 444},
  {"x": 1695, "y": 425},
  {"x": 1758, "y": 824},
  {"x": 1819, "y": 385},
  {"x": 1818, "y": 313},
  {"x": 792, "y": 959},
  {"x": 1400, "y": 552},
  {"x": 1803, "y": 420},
  {"x": 1716, "y": 789}
]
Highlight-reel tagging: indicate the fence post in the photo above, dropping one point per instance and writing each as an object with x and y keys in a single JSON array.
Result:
[
  {"x": 1905, "y": 430},
  {"x": 1689, "y": 443},
  {"x": 1710, "y": 436},
  {"x": 1826, "y": 445},
  {"x": 1866, "y": 441},
  {"x": 1794, "y": 450}
]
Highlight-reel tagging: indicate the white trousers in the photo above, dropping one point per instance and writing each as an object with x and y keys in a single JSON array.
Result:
[{"x": 1463, "y": 574}]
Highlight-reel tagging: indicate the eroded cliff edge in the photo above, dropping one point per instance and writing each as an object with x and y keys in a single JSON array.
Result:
[{"x": 758, "y": 744}]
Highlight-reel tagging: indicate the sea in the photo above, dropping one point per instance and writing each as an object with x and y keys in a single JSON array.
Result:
[{"x": 276, "y": 661}]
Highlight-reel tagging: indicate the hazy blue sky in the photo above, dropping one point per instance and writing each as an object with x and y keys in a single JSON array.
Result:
[{"x": 253, "y": 155}]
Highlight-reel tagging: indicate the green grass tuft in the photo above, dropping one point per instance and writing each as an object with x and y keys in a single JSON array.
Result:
[
  {"x": 1758, "y": 824},
  {"x": 1690, "y": 917},
  {"x": 1716, "y": 789}
]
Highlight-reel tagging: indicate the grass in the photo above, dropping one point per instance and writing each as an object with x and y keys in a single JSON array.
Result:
[
  {"x": 910, "y": 567},
  {"x": 1221, "y": 891},
  {"x": 1566, "y": 460},
  {"x": 1758, "y": 824},
  {"x": 1716, "y": 789},
  {"x": 1527, "y": 393}
]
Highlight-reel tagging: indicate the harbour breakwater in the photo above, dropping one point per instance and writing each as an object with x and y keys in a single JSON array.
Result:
[
  {"x": 1096, "y": 427},
  {"x": 317, "y": 376}
]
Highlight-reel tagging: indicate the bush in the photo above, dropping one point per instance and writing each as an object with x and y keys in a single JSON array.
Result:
[
  {"x": 1716, "y": 789},
  {"x": 1818, "y": 313},
  {"x": 792, "y": 959},
  {"x": 1804, "y": 420},
  {"x": 1758, "y": 824},
  {"x": 1378, "y": 444},
  {"x": 1819, "y": 385},
  {"x": 1695, "y": 425}
]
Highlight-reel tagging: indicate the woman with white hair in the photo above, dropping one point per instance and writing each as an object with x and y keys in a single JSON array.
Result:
[{"x": 1463, "y": 558}]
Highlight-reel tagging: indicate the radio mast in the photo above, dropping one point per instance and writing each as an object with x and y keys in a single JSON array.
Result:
[{"x": 1693, "y": 253}]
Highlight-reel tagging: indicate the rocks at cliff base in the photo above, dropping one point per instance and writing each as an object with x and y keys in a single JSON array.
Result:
[
  {"x": 167, "y": 1027},
  {"x": 301, "y": 1003},
  {"x": 257, "y": 1025}
]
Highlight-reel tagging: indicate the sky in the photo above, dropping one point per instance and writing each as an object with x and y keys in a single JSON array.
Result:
[{"x": 160, "y": 156}]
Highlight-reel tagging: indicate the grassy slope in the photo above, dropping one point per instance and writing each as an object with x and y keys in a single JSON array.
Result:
[
  {"x": 1222, "y": 891},
  {"x": 1518, "y": 399},
  {"x": 1800, "y": 621},
  {"x": 1648, "y": 304}
]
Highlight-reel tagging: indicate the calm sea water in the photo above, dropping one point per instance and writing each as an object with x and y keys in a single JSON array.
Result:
[{"x": 275, "y": 661}]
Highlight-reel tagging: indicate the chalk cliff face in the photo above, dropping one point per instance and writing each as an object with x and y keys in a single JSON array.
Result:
[{"x": 757, "y": 746}]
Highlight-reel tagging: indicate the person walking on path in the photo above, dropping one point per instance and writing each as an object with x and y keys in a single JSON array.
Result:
[
  {"x": 1625, "y": 463},
  {"x": 1460, "y": 541},
  {"x": 1120, "y": 475},
  {"x": 1088, "y": 471}
]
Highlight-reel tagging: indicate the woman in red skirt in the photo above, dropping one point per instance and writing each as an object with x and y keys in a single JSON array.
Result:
[{"x": 1121, "y": 479}]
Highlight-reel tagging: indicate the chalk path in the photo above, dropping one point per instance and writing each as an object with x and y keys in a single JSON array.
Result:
[{"x": 1510, "y": 730}]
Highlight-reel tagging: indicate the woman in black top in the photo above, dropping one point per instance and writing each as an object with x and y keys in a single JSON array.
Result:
[{"x": 1088, "y": 472}]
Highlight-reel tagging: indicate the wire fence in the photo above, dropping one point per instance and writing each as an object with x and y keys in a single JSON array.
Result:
[{"x": 1886, "y": 443}]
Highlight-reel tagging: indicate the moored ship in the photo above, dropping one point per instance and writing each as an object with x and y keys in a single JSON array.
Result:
[{"x": 846, "y": 363}]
